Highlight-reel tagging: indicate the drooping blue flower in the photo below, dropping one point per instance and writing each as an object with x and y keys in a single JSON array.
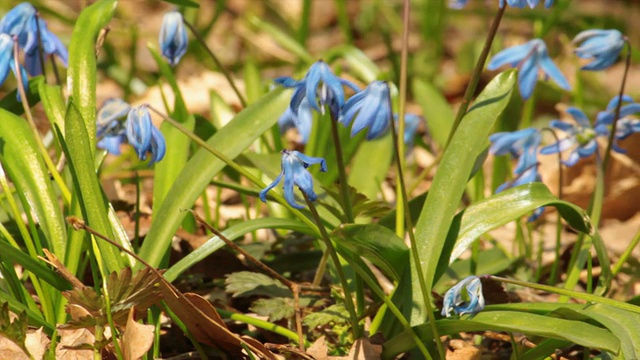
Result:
[
  {"x": 143, "y": 135},
  {"x": 603, "y": 46},
  {"x": 51, "y": 45},
  {"x": 625, "y": 125},
  {"x": 320, "y": 87},
  {"x": 371, "y": 108},
  {"x": 453, "y": 300},
  {"x": 173, "y": 37},
  {"x": 19, "y": 22},
  {"x": 294, "y": 170},
  {"x": 522, "y": 3},
  {"x": 411, "y": 124},
  {"x": 521, "y": 144},
  {"x": 7, "y": 63},
  {"x": 580, "y": 136},
  {"x": 529, "y": 58},
  {"x": 110, "y": 125},
  {"x": 303, "y": 121}
]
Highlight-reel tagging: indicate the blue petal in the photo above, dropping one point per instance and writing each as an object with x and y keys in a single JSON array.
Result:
[
  {"x": 263, "y": 193},
  {"x": 138, "y": 130},
  {"x": 112, "y": 143},
  {"x": 552, "y": 71},
  {"x": 288, "y": 188},
  {"x": 560, "y": 146},
  {"x": 173, "y": 37},
  {"x": 158, "y": 145},
  {"x": 527, "y": 77},
  {"x": 352, "y": 106},
  {"x": 511, "y": 56},
  {"x": 579, "y": 116},
  {"x": 310, "y": 160},
  {"x": 15, "y": 22}
]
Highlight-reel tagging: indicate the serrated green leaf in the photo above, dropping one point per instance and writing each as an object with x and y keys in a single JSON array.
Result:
[
  {"x": 276, "y": 309},
  {"x": 81, "y": 74},
  {"x": 377, "y": 244},
  {"x": 23, "y": 163},
  {"x": 231, "y": 140},
  {"x": 247, "y": 283},
  {"x": 334, "y": 314}
]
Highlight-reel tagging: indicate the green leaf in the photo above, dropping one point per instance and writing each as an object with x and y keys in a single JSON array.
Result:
[
  {"x": 577, "y": 332},
  {"x": 360, "y": 65},
  {"x": 247, "y": 283},
  {"x": 370, "y": 165},
  {"x": 188, "y": 3},
  {"x": 94, "y": 205},
  {"x": 283, "y": 307},
  {"x": 82, "y": 62},
  {"x": 377, "y": 244},
  {"x": 435, "y": 109},
  {"x": 449, "y": 184},
  {"x": 287, "y": 42},
  {"x": 231, "y": 140},
  {"x": 492, "y": 261},
  {"x": 507, "y": 206},
  {"x": 23, "y": 163},
  {"x": 16, "y": 256},
  {"x": 10, "y": 101},
  {"x": 334, "y": 314},
  {"x": 53, "y": 103}
]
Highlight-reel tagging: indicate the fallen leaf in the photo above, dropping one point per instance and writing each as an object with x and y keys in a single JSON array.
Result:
[
  {"x": 461, "y": 350},
  {"x": 74, "y": 338},
  {"x": 37, "y": 343},
  {"x": 11, "y": 350},
  {"x": 137, "y": 338},
  {"x": 319, "y": 349}
]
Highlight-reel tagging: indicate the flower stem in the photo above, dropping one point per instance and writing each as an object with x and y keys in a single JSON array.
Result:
[
  {"x": 348, "y": 300},
  {"x": 475, "y": 76},
  {"x": 342, "y": 174},
  {"x": 612, "y": 134},
  {"x": 625, "y": 256},
  {"x": 402, "y": 102},
  {"x": 215, "y": 59}
]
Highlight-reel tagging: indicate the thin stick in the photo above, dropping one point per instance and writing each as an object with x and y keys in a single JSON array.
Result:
[{"x": 217, "y": 61}]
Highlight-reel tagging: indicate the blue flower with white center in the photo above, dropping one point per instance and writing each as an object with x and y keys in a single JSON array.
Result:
[
  {"x": 51, "y": 45},
  {"x": 173, "y": 37},
  {"x": 580, "y": 136},
  {"x": 294, "y": 171},
  {"x": 303, "y": 121},
  {"x": 602, "y": 46},
  {"x": 110, "y": 125},
  {"x": 529, "y": 58},
  {"x": 474, "y": 302},
  {"x": 143, "y": 135},
  {"x": 625, "y": 125},
  {"x": 371, "y": 108}
]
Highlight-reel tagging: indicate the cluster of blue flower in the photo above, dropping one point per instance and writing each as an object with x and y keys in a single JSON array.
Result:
[
  {"x": 117, "y": 123},
  {"x": 367, "y": 109},
  {"x": 22, "y": 26}
]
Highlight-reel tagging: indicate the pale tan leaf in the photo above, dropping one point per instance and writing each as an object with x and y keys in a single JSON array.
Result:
[
  {"x": 73, "y": 338},
  {"x": 137, "y": 338},
  {"x": 36, "y": 343},
  {"x": 319, "y": 349},
  {"x": 11, "y": 350}
]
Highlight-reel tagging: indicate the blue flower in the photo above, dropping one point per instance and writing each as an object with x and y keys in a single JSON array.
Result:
[
  {"x": 143, "y": 135},
  {"x": 529, "y": 58},
  {"x": 51, "y": 46},
  {"x": 373, "y": 109},
  {"x": 453, "y": 297},
  {"x": 303, "y": 121},
  {"x": 522, "y": 144},
  {"x": 457, "y": 4},
  {"x": 110, "y": 128},
  {"x": 603, "y": 46},
  {"x": 318, "y": 84},
  {"x": 625, "y": 126},
  {"x": 294, "y": 171},
  {"x": 173, "y": 37},
  {"x": 581, "y": 137},
  {"x": 7, "y": 63},
  {"x": 19, "y": 21},
  {"x": 523, "y": 3},
  {"x": 411, "y": 124}
]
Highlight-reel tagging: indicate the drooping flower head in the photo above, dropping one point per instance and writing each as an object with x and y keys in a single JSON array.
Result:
[
  {"x": 7, "y": 63},
  {"x": 143, "y": 135},
  {"x": 371, "y": 108},
  {"x": 581, "y": 136},
  {"x": 302, "y": 121},
  {"x": 110, "y": 125},
  {"x": 173, "y": 37},
  {"x": 602, "y": 46},
  {"x": 411, "y": 124},
  {"x": 530, "y": 58},
  {"x": 453, "y": 299},
  {"x": 294, "y": 171},
  {"x": 23, "y": 23},
  {"x": 459, "y": 4}
]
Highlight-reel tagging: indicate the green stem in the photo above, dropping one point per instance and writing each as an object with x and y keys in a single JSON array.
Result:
[
  {"x": 262, "y": 324},
  {"x": 215, "y": 59},
  {"x": 348, "y": 300},
  {"x": 343, "y": 20},
  {"x": 402, "y": 102},
  {"x": 612, "y": 132},
  {"x": 342, "y": 173},
  {"x": 625, "y": 256},
  {"x": 475, "y": 76}
]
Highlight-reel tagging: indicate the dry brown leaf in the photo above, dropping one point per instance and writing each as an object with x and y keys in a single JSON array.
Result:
[
  {"x": 71, "y": 338},
  {"x": 137, "y": 338},
  {"x": 10, "y": 350},
  {"x": 319, "y": 349},
  {"x": 461, "y": 350},
  {"x": 362, "y": 349},
  {"x": 62, "y": 270},
  {"x": 36, "y": 342}
]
